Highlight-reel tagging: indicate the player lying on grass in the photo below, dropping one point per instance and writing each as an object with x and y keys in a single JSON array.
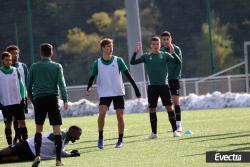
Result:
[{"x": 25, "y": 150}]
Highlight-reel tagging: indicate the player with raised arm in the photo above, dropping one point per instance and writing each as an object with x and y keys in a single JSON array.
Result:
[
  {"x": 156, "y": 65},
  {"x": 174, "y": 74}
]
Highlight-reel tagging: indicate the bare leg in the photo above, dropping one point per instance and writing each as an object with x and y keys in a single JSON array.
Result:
[
  {"x": 119, "y": 115},
  {"x": 101, "y": 118}
]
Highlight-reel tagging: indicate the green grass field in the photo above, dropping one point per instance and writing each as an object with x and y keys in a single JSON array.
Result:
[{"x": 219, "y": 129}]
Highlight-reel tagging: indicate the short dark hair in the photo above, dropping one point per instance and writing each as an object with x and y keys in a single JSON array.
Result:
[
  {"x": 155, "y": 38},
  {"x": 12, "y": 47},
  {"x": 74, "y": 127},
  {"x": 46, "y": 49},
  {"x": 5, "y": 54},
  {"x": 105, "y": 41},
  {"x": 166, "y": 33}
]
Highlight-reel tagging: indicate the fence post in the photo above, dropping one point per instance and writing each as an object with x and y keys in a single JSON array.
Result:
[
  {"x": 196, "y": 87},
  {"x": 229, "y": 83},
  {"x": 246, "y": 65},
  {"x": 184, "y": 87}
]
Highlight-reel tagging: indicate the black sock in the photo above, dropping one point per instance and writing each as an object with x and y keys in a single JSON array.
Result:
[
  {"x": 153, "y": 121},
  {"x": 101, "y": 134},
  {"x": 38, "y": 143},
  {"x": 23, "y": 133},
  {"x": 17, "y": 134},
  {"x": 8, "y": 135},
  {"x": 58, "y": 144},
  {"x": 171, "y": 117},
  {"x": 120, "y": 137},
  {"x": 177, "y": 112}
]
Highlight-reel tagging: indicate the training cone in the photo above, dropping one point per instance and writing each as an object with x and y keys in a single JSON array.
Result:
[{"x": 188, "y": 132}]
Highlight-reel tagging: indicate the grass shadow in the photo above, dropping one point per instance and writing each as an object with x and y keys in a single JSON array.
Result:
[
  {"x": 215, "y": 135},
  {"x": 223, "y": 138}
]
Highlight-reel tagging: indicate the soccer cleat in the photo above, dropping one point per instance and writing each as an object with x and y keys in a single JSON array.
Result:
[
  {"x": 100, "y": 144},
  {"x": 59, "y": 163},
  {"x": 152, "y": 136},
  {"x": 119, "y": 144},
  {"x": 176, "y": 134},
  {"x": 36, "y": 161}
]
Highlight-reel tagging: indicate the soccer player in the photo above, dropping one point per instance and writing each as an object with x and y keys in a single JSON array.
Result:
[
  {"x": 110, "y": 87},
  {"x": 174, "y": 74},
  {"x": 25, "y": 150},
  {"x": 23, "y": 70},
  {"x": 44, "y": 79},
  {"x": 12, "y": 94},
  {"x": 156, "y": 65}
]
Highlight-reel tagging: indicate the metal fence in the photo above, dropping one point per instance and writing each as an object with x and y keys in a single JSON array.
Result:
[{"x": 228, "y": 83}]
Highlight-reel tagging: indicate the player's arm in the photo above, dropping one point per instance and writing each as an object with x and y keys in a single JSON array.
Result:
[
  {"x": 73, "y": 153},
  {"x": 62, "y": 86},
  {"x": 65, "y": 154},
  {"x": 92, "y": 77},
  {"x": 172, "y": 57},
  {"x": 132, "y": 81},
  {"x": 30, "y": 83},
  {"x": 178, "y": 53},
  {"x": 124, "y": 69},
  {"x": 175, "y": 57},
  {"x": 135, "y": 60},
  {"x": 26, "y": 72}
]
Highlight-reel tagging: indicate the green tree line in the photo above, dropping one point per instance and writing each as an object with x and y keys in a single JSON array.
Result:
[{"x": 76, "y": 27}]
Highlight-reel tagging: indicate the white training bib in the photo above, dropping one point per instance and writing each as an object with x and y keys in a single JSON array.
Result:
[
  {"x": 109, "y": 79},
  {"x": 48, "y": 149},
  {"x": 9, "y": 88},
  {"x": 21, "y": 71}
]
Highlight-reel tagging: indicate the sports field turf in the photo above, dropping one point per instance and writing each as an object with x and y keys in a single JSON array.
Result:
[{"x": 218, "y": 129}]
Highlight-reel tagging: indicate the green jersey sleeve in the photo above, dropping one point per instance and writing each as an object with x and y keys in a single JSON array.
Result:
[
  {"x": 121, "y": 64},
  {"x": 139, "y": 60},
  {"x": 94, "y": 68},
  {"x": 172, "y": 57},
  {"x": 62, "y": 84}
]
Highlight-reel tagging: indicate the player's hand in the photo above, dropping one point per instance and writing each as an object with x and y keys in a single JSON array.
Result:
[
  {"x": 66, "y": 106},
  {"x": 137, "y": 47},
  {"x": 171, "y": 48},
  {"x": 75, "y": 153},
  {"x": 88, "y": 92}
]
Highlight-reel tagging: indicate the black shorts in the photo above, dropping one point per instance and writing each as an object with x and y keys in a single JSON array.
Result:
[
  {"x": 156, "y": 91},
  {"x": 174, "y": 85},
  {"x": 44, "y": 105},
  {"x": 11, "y": 111},
  {"x": 118, "y": 101},
  {"x": 22, "y": 150}
]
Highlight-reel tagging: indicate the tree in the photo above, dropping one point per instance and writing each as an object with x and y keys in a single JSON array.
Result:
[
  {"x": 222, "y": 46},
  {"x": 81, "y": 48}
]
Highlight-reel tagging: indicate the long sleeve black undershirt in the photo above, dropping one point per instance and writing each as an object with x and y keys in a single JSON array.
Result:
[{"x": 132, "y": 81}]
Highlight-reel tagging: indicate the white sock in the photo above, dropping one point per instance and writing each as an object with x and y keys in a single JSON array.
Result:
[{"x": 178, "y": 123}]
